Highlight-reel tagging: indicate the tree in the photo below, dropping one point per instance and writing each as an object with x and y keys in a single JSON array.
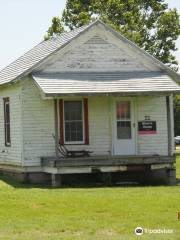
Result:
[
  {"x": 56, "y": 28},
  {"x": 150, "y": 24}
]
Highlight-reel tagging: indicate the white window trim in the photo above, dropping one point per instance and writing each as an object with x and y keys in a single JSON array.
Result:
[{"x": 74, "y": 142}]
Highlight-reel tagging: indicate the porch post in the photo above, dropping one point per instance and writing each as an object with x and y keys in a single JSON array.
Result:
[
  {"x": 56, "y": 180},
  {"x": 56, "y": 128},
  {"x": 111, "y": 149},
  {"x": 169, "y": 125},
  {"x": 171, "y": 172}
]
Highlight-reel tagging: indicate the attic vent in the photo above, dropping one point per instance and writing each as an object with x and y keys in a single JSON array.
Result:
[{"x": 96, "y": 40}]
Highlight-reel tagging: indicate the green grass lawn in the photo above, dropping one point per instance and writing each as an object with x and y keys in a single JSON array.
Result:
[{"x": 29, "y": 212}]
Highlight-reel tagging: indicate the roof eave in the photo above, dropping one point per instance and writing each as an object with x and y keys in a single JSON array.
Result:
[
  {"x": 30, "y": 70},
  {"x": 143, "y": 93}
]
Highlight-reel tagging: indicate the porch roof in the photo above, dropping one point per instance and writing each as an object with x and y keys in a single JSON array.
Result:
[{"x": 105, "y": 83}]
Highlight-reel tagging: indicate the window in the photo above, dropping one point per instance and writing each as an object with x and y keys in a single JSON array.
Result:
[
  {"x": 74, "y": 126},
  {"x": 7, "y": 122},
  {"x": 73, "y": 121}
]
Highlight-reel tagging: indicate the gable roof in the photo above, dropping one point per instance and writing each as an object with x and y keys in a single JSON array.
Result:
[
  {"x": 29, "y": 60},
  {"x": 26, "y": 63}
]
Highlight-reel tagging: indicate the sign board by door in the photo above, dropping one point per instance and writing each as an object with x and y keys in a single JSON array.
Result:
[{"x": 147, "y": 127}]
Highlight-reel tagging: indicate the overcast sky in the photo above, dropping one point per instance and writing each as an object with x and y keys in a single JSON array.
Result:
[{"x": 23, "y": 24}]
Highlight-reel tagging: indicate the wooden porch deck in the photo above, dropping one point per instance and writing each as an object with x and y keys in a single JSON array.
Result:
[
  {"x": 103, "y": 161},
  {"x": 132, "y": 166}
]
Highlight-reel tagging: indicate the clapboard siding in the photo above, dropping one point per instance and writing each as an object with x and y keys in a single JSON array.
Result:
[
  {"x": 96, "y": 54},
  {"x": 99, "y": 125},
  {"x": 13, "y": 154},
  {"x": 38, "y": 125},
  {"x": 155, "y": 107}
]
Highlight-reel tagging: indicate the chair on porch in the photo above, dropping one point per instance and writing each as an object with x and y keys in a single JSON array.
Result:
[{"x": 63, "y": 151}]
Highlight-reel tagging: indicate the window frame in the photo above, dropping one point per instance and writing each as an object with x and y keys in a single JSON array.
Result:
[
  {"x": 83, "y": 123},
  {"x": 6, "y": 142}
]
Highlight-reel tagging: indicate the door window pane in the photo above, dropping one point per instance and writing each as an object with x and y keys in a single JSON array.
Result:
[
  {"x": 73, "y": 118},
  {"x": 123, "y": 110},
  {"x": 123, "y": 129}
]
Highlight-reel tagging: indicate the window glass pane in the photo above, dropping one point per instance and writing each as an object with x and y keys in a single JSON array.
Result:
[
  {"x": 73, "y": 117},
  {"x": 73, "y": 110},
  {"x": 123, "y": 110},
  {"x": 74, "y": 131},
  {"x": 124, "y": 130}
]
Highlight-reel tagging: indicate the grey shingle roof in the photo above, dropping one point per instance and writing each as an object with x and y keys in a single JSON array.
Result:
[
  {"x": 26, "y": 63},
  {"x": 105, "y": 83},
  {"x": 36, "y": 55}
]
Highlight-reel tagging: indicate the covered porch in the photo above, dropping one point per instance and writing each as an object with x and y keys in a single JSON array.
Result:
[
  {"x": 123, "y": 111},
  {"x": 126, "y": 122}
]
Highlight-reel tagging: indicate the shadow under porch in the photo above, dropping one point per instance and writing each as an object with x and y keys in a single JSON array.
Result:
[{"x": 110, "y": 170}]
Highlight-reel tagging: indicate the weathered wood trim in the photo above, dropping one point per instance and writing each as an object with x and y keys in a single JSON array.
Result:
[
  {"x": 10, "y": 167},
  {"x": 84, "y": 169},
  {"x": 135, "y": 124},
  {"x": 22, "y": 126},
  {"x": 169, "y": 126},
  {"x": 111, "y": 126},
  {"x": 115, "y": 94},
  {"x": 106, "y": 161},
  {"x": 61, "y": 121},
  {"x": 86, "y": 122},
  {"x": 55, "y": 180},
  {"x": 56, "y": 127},
  {"x": 160, "y": 166},
  {"x": 7, "y": 144},
  {"x": 172, "y": 123}
]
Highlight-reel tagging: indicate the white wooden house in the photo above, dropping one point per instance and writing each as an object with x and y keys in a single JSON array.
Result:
[{"x": 92, "y": 89}]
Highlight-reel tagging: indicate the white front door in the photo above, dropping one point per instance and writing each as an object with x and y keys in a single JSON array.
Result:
[{"x": 124, "y": 127}]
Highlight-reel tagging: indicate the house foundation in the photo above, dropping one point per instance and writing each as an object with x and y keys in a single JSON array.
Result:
[
  {"x": 103, "y": 170},
  {"x": 152, "y": 177}
]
